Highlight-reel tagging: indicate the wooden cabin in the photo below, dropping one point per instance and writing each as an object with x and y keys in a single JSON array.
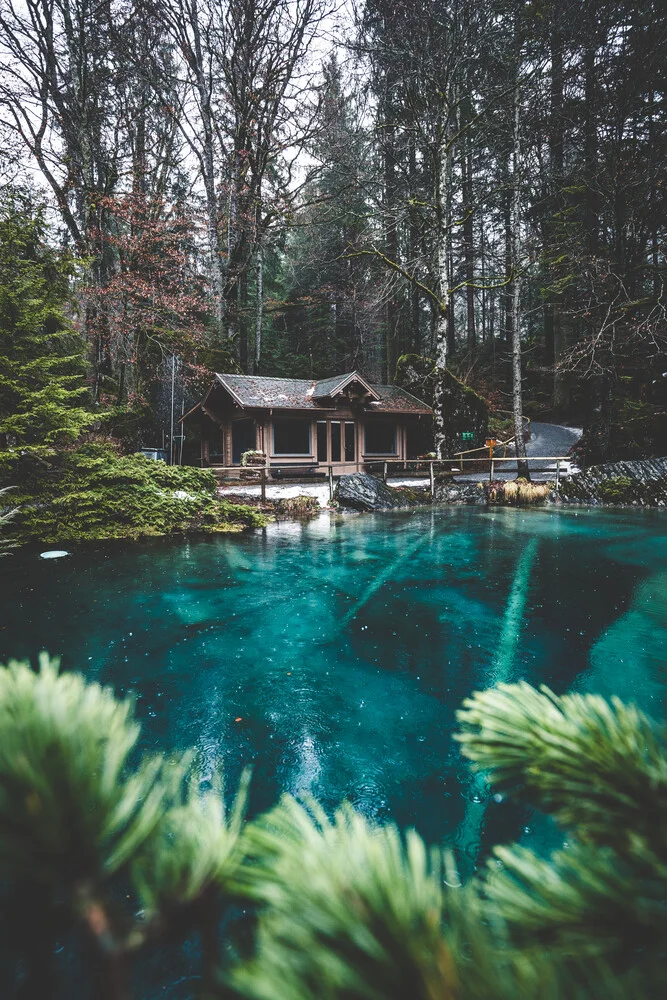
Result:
[{"x": 343, "y": 421}]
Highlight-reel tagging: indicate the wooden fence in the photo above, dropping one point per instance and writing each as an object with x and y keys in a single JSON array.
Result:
[{"x": 409, "y": 467}]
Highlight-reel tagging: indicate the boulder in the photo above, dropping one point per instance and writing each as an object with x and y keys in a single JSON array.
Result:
[
  {"x": 640, "y": 483},
  {"x": 363, "y": 492},
  {"x": 448, "y": 492},
  {"x": 464, "y": 411}
]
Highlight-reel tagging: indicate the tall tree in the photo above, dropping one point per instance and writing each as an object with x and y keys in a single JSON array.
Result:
[{"x": 43, "y": 394}]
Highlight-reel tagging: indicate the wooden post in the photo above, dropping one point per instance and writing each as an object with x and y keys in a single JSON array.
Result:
[
  {"x": 331, "y": 486},
  {"x": 491, "y": 472},
  {"x": 384, "y": 473},
  {"x": 431, "y": 477},
  {"x": 557, "y": 473},
  {"x": 262, "y": 480}
]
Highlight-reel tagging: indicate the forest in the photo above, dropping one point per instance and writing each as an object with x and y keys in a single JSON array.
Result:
[{"x": 305, "y": 187}]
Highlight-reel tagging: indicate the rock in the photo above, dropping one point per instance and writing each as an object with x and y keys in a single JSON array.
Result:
[
  {"x": 363, "y": 492},
  {"x": 642, "y": 483},
  {"x": 448, "y": 492},
  {"x": 463, "y": 410}
]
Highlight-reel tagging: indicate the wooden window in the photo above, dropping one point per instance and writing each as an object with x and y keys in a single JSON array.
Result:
[
  {"x": 335, "y": 440},
  {"x": 350, "y": 447},
  {"x": 380, "y": 437},
  {"x": 291, "y": 436},
  {"x": 321, "y": 440}
]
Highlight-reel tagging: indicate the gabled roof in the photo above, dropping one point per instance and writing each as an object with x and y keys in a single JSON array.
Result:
[
  {"x": 260, "y": 392},
  {"x": 328, "y": 388}
]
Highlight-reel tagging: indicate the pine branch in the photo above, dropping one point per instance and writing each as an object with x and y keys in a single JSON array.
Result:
[
  {"x": 69, "y": 814},
  {"x": 596, "y": 766}
]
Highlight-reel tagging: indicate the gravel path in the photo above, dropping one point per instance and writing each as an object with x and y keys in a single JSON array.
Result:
[
  {"x": 546, "y": 441},
  {"x": 551, "y": 439}
]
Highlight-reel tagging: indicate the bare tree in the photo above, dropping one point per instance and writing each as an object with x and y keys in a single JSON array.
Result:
[{"x": 241, "y": 108}]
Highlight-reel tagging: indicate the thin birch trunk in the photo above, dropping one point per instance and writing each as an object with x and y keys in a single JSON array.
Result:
[
  {"x": 208, "y": 165},
  {"x": 515, "y": 305},
  {"x": 230, "y": 287},
  {"x": 260, "y": 306},
  {"x": 442, "y": 323}
]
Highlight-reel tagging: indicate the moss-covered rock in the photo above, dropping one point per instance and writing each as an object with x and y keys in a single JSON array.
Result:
[
  {"x": 465, "y": 411},
  {"x": 92, "y": 492},
  {"x": 617, "y": 489},
  {"x": 642, "y": 483},
  {"x": 362, "y": 492}
]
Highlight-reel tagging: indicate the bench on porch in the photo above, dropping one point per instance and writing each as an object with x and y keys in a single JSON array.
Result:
[{"x": 296, "y": 472}]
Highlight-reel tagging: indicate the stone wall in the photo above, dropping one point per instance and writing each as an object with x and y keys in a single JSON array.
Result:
[{"x": 640, "y": 483}]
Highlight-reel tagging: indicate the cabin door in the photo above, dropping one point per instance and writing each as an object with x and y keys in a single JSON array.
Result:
[{"x": 243, "y": 438}]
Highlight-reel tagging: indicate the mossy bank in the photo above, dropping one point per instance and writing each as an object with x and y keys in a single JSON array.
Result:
[{"x": 94, "y": 493}]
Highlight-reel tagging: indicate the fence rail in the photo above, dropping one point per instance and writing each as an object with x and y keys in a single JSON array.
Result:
[
  {"x": 499, "y": 444},
  {"x": 395, "y": 465}
]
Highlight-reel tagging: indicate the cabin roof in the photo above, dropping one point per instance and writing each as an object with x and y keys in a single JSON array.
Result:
[
  {"x": 260, "y": 392},
  {"x": 329, "y": 388}
]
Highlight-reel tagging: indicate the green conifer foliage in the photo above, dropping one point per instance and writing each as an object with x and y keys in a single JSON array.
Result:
[
  {"x": 6, "y": 515},
  {"x": 123, "y": 852},
  {"x": 69, "y": 812},
  {"x": 600, "y": 769},
  {"x": 42, "y": 391}
]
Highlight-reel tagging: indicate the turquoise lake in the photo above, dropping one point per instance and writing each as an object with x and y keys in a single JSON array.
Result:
[{"x": 331, "y": 655}]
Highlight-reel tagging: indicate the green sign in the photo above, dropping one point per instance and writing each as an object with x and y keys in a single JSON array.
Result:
[{"x": 468, "y": 436}]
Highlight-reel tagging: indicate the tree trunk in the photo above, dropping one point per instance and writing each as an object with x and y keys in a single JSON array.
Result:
[
  {"x": 515, "y": 305},
  {"x": 508, "y": 294},
  {"x": 442, "y": 301},
  {"x": 392, "y": 306},
  {"x": 468, "y": 236},
  {"x": 243, "y": 320},
  {"x": 208, "y": 171},
  {"x": 449, "y": 253},
  {"x": 260, "y": 307},
  {"x": 413, "y": 233},
  {"x": 553, "y": 329},
  {"x": 439, "y": 428}
]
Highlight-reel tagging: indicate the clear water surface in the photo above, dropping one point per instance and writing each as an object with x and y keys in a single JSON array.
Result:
[{"x": 331, "y": 655}]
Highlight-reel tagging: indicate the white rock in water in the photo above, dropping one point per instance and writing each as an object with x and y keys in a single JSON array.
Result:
[{"x": 53, "y": 554}]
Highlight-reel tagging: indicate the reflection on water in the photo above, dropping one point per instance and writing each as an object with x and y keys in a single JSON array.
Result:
[{"x": 332, "y": 655}]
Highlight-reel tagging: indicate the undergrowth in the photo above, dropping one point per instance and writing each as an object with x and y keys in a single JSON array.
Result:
[{"x": 92, "y": 492}]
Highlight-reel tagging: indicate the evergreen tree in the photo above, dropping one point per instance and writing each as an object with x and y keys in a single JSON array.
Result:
[{"x": 42, "y": 389}]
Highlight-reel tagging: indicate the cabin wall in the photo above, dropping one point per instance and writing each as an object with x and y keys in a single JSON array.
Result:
[
  {"x": 223, "y": 415},
  {"x": 350, "y": 423}
]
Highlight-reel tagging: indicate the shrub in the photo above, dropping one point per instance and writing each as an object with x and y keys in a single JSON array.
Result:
[
  {"x": 516, "y": 492},
  {"x": 617, "y": 489},
  {"x": 92, "y": 492}
]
